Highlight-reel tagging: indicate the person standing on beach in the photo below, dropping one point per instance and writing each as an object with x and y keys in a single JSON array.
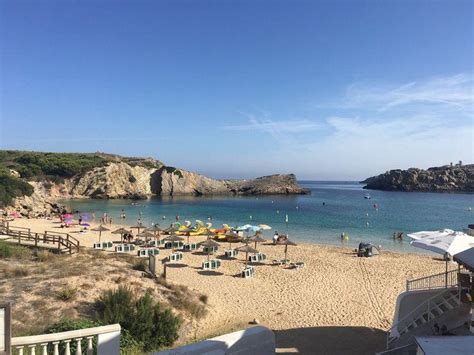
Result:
[{"x": 275, "y": 237}]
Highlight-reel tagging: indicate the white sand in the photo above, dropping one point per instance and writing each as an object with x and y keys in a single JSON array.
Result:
[{"x": 335, "y": 302}]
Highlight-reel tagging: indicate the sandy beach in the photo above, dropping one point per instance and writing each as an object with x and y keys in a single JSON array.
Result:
[{"x": 337, "y": 303}]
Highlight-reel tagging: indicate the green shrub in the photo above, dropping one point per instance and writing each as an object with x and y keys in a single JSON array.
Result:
[
  {"x": 129, "y": 345},
  {"x": 66, "y": 325},
  {"x": 12, "y": 187},
  {"x": 140, "y": 265},
  {"x": 5, "y": 250},
  {"x": 143, "y": 318},
  {"x": 11, "y": 251}
]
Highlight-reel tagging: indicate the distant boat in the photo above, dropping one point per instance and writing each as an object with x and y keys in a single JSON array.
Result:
[{"x": 367, "y": 197}]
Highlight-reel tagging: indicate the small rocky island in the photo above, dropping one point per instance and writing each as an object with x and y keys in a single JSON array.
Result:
[
  {"x": 34, "y": 181},
  {"x": 448, "y": 178}
]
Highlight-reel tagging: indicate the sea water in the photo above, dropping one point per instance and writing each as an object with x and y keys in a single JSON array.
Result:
[{"x": 319, "y": 217}]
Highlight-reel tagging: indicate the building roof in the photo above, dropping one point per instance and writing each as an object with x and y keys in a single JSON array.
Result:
[
  {"x": 466, "y": 259},
  {"x": 441, "y": 345}
]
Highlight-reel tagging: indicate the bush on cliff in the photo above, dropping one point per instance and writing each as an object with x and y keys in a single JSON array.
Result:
[{"x": 12, "y": 187}]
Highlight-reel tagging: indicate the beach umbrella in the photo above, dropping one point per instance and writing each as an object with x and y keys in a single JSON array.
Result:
[
  {"x": 264, "y": 227},
  {"x": 286, "y": 242},
  {"x": 171, "y": 229},
  {"x": 209, "y": 243},
  {"x": 243, "y": 228},
  {"x": 121, "y": 231},
  {"x": 173, "y": 238},
  {"x": 446, "y": 242},
  {"x": 186, "y": 231},
  {"x": 257, "y": 239},
  {"x": 100, "y": 229},
  {"x": 85, "y": 216},
  {"x": 155, "y": 230},
  {"x": 210, "y": 233},
  {"x": 138, "y": 226},
  {"x": 147, "y": 235},
  {"x": 247, "y": 249},
  {"x": 442, "y": 242},
  {"x": 232, "y": 237}
]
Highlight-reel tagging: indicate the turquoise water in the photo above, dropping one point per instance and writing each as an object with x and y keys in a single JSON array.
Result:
[{"x": 345, "y": 210}]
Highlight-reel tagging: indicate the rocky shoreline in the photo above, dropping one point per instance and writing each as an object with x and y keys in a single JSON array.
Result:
[
  {"x": 120, "y": 179},
  {"x": 448, "y": 178}
]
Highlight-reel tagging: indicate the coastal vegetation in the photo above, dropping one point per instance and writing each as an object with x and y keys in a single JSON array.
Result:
[
  {"x": 62, "y": 293},
  {"x": 12, "y": 187},
  {"x": 39, "y": 166}
]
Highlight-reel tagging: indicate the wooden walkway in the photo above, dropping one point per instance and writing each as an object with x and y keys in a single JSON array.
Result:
[{"x": 61, "y": 242}]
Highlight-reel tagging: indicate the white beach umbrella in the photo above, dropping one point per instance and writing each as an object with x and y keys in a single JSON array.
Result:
[{"x": 442, "y": 242}]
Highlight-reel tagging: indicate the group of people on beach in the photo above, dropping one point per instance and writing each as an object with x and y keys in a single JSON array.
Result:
[{"x": 277, "y": 238}]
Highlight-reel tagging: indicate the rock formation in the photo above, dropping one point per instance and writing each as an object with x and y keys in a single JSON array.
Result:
[
  {"x": 438, "y": 179},
  {"x": 108, "y": 176},
  {"x": 120, "y": 180}
]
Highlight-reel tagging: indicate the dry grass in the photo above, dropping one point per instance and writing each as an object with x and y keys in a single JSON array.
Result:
[
  {"x": 67, "y": 293},
  {"x": 16, "y": 271},
  {"x": 140, "y": 265},
  {"x": 182, "y": 298},
  {"x": 44, "y": 256}
]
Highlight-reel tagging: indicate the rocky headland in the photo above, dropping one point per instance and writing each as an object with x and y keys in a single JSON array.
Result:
[
  {"x": 103, "y": 176},
  {"x": 448, "y": 178}
]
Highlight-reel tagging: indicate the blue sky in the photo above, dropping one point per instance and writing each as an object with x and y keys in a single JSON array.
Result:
[{"x": 324, "y": 89}]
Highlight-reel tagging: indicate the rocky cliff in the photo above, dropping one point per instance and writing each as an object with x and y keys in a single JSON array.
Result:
[
  {"x": 120, "y": 180},
  {"x": 55, "y": 176},
  {"x": 438, "y": 179}
]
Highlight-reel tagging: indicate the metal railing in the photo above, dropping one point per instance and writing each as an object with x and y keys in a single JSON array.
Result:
[
  {"x": 441, "y": 280},
  {"x": 106, "y": 338},
  {"x": 417, "y": 312}
]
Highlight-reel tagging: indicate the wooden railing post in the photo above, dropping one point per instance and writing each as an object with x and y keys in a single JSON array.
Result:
[{"x": 59, "y": 245}]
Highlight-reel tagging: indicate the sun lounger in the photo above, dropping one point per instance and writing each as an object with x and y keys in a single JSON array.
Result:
[
  {"x": 144, "y": 252},
  {"x": 209, "y": 250},
  {"x": 211, "y": 264},
  {"x": 103, "y": 245},
  {"x": 231, "y": 253},
  {"x": 281, "y": 262},
  {"x": 257, "y": 258},
  {"x": 297, "y": 265},
  {"x": 190, "y": 246},
  {"x": 175, "y": 257},
  {"x": 248, "y": 272},
  {"x": 124, "y": 248},
  {"x": 175, "y": 245},
  {"x": 153, "y": 243}
]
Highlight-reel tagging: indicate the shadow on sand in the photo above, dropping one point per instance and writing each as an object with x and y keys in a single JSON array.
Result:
[
  {"x": 175, "y": 265},
  {"x": 330, "y": 340},
  {"x": 210, "y": 273}
]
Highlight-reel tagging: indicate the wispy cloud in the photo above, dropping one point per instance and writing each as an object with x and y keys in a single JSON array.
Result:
[
  {"x": 372, "y": 128},
  {"x": 276, "y": 127},
  {"x": 456, "y": 91}
]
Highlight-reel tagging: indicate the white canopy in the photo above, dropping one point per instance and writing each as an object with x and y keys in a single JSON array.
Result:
[{"x": 442, "y": 242}]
